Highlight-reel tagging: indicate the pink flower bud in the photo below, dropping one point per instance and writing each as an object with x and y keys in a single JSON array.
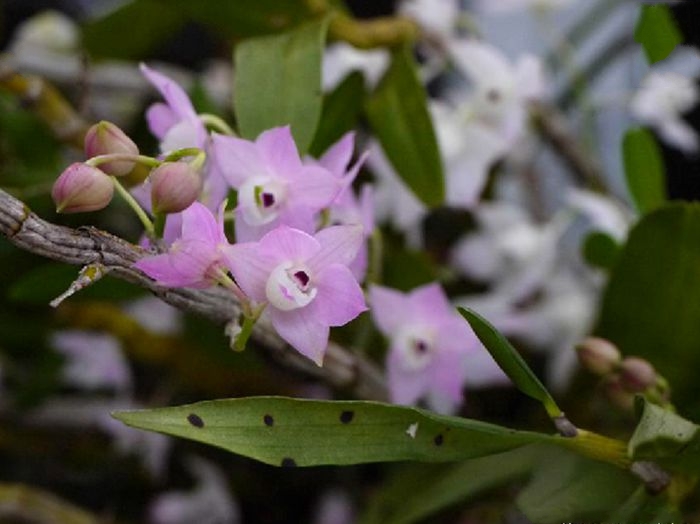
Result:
[
  {"x": 597, "y": 355},
  {"x": 637, "y": 375},
  {"x": 174, "y": 186},
  {"x": 81, "y": 188},
  {"x": 105, "y": 138},
  {"x": 618, "y": 395}
]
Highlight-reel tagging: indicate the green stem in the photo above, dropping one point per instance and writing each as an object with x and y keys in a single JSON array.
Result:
[
  {"x": 598, "y": 447},
  {"x": 159, "y": 224},
  {"x": 117, "y": 157},
  {"x": 147, "y": 224},
  {"x": 226, "y": 281},
  {"x": 183, "y": 153},
  {"x": 217, "y": 123}
]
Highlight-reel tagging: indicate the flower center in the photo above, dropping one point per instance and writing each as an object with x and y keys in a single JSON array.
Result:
[
  {"x": 416, "y": 347},
  {"x": 260, "y": 199},
  {"x": 289, "y": 287}
]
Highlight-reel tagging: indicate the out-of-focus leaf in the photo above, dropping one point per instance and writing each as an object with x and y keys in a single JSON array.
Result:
[
  {"x": 600, "y": 250},
  {"x": 641, "y": 506},
  {"x": 278, "y": 82},
  {"x": 651, "y": 305},
  {"x": 510, "y": 361},
  {"x": 657, "y": 32},
  {"x": 666, "y": 438},
  {"x": 293, "y": 432},
  {"x": 35, "y": 505},
  {"x": 132, "y": 30},
  {"x": 570, "y": 488},
  {"x": 398, "y": 114},
  {"x": 644, "y": 170},
  {"x": 439, "y": 487},
  {"x": 341, "y": 112}
]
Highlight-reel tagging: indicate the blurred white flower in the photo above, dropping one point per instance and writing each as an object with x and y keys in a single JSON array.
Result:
[
  {"x": 92, "y": 360},
  {"x": 334, "y": 507},
  {"x": 504, "y": 6},
  {"x": 436, "y": 16},
  {"x": 155, "y": 315},
  {"x": 49, "y": 32},
  {"x": 660, "y": 103},
  {"x": 340, "y": 59},
  {"x": 210, "y": 502},
  {"x": 603, "y": 213}
]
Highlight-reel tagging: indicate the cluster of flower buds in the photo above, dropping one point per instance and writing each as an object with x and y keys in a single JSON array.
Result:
[
  {"x": 623, "y": 378},
  {"x": 89, "y": 186}
]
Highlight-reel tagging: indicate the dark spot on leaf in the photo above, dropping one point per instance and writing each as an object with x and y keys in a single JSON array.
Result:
[
  {"x": 288, "y": 462},
  {"x": 195, "y": 420},
  {"x": 347, "y": 416},
  {"x": 439, "y": 439},
  {"x": 269, "y": 421}
]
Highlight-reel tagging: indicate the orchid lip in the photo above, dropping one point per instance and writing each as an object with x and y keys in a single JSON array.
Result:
[
  {"x": 260, "y": 199},
  {"x": 289, "y": 287},
  {"x": 416, "y": 346}
]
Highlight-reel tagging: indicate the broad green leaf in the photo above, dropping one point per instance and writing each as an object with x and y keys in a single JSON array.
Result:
[
  {"x": 398, "y": 114},
  {"x": 651, "y": 305},
  {"x": 667, "y": 439},
  {"x": 641, "y": 506},
  {"x": 278, "y": 82},
  {"x": 570, "y": 488},
  {"x": 119, "y": 35},
  {"x": 341, "y": 111},
  {"x": 600, "y": 250},
  {"x": 657, "y": 32},
  {"x": 440, "y": 486},
  {"x": 510, "y": 361},
  {"x": 644, "y": 170},
  {"x": 238, "y": 19},
  {"x": 292, "y": 432}
]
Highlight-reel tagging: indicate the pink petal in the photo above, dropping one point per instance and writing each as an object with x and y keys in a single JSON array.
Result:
[
  {"x": 429, "y": 303},
  {"x": 302, "y": 329},
  {"x": 339, "y": 298},
  {"x": 160, "y": 118},
  {"x": 389, "y": 309},
  {"x": 178, "y": 269},
  {"x": 173, "y": 94},
  {"x": 279, "y": 150},
  {"x": 404, "y": 387},
  {"x": 287, "y": 244},
  {"x": 339, "y": 245},
  {"x": 185, "y": 133},
  {"x": 237, "y": 159},
  {"x": 250, "y": 270},
  {"x": 314, "y": 187},
  {"x": 337, "y": 157},
  {"x": 447, "y": 374},
  {"x": 199, "y": 223},
  {"x": 482, "y": 370}
]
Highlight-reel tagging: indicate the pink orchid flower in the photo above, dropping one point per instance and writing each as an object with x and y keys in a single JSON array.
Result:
[
  {"x": 431, "y": 348},
  {"x": 274, "y": 186},
  {"x": 196, "y": 258},
  {"x": 304, "y": 280}
]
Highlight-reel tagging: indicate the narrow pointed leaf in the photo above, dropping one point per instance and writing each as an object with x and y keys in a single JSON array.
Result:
[
  {"x": 644, "y": 170},
  {"x": 292, "y": 432},
  {"x": 657, "y": 31},
  {"x": 398, "y": 114},
  {"x": 278, "y": 82},
  {"x": 667, "y": 439},
  {"x": 510, "y": 361}
]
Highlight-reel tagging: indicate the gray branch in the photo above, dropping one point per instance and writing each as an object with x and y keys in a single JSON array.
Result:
[{"x": 89, "y": 245}]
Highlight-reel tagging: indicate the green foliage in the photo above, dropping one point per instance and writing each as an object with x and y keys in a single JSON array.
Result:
[
  {"x": 644, "y": 170},
  {"x": 642, "y": 506},
  {"x": 657, "y": 32},
  {"x": 398, "y": 114},
  {"x": 651, "y": 305},
  {"x": 285, "y": 432},
  {"x": 600, "y": 250},
  {"x": 510, "y": 361},
  {"x": 278, "y": 82}
]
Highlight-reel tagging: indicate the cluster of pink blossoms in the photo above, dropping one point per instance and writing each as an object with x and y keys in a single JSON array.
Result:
[{"x": 301, "y": 242}]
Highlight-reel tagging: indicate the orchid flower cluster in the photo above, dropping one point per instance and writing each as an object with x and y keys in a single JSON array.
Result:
[{"x": 301, "y": 248}]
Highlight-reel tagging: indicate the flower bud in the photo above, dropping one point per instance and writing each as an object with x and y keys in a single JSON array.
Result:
[
  {"x": 105, "y": 138},
  {"x": 597, "y": 355},
  {"x": 174, "y": 186},
  {"x": 82, "y": 188},
  {"x": 637, "y": 375},
  {"x": 617, "y": 394}
]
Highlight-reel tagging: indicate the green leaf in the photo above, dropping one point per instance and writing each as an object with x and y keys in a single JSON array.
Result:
[
  {"x": 293, "y": 432},
  {"x": 666, "y": 438},
  {"x": 641, "y": 506},
  {"x": 651, "y": 305},
  {"x": 398, "y": 114},
  {"x": 278, "y": 82},
  {"x": 510, "y": 361},
  {"x": 600, "y": 250},
  {"x": 644, "y": 170},
  {"x": 570, "y": 488},
  {"x": 443, "y": 486},
  {"x": 657, "y": 32},
  {"x": 341, "y": 112},
  {"x": 118, "y": 35}
]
